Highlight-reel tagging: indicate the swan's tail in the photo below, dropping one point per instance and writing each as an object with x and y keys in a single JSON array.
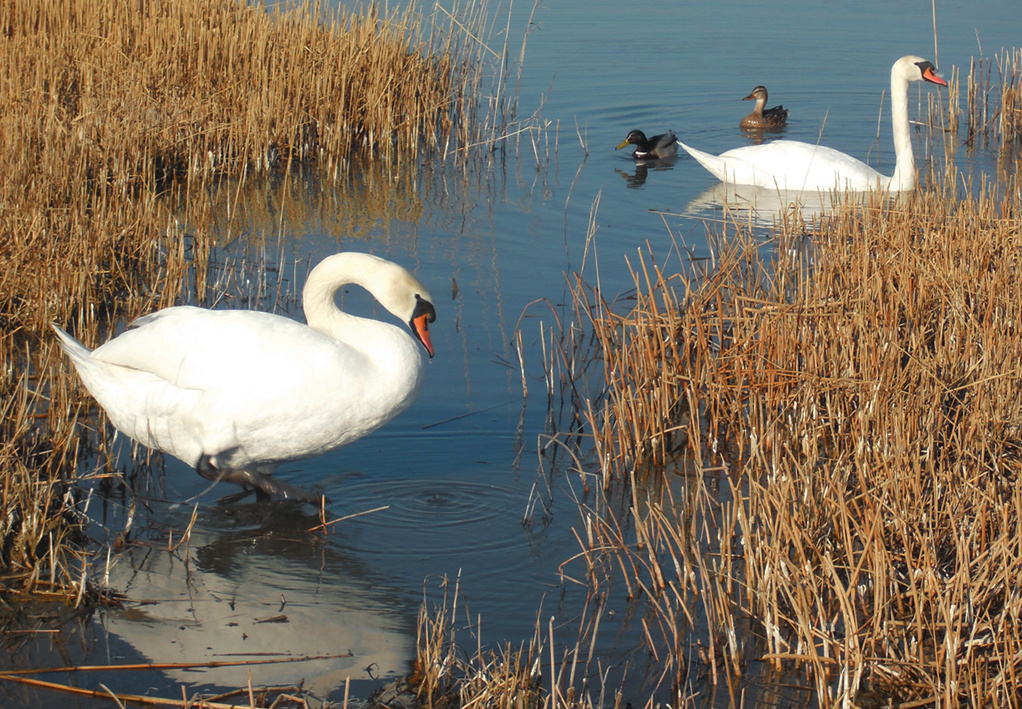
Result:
[
  {"x": 713, "y": 163},
  {"x": 79, "y": 354}
]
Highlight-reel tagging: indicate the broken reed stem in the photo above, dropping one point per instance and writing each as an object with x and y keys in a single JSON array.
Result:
[
  {"x": 122, "y": 697},
  {"x": 171, "y": 665}
]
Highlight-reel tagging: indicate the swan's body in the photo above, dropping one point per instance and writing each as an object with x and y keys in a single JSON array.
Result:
[
  {"x": 655, "y": 148},
  {"x": 234, "y": 392},
  {"x": 763, "y": 118},
  {"x": 791, "y": 165}
]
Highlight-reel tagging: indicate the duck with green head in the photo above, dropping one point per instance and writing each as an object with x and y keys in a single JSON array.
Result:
[{"x": 659, "y": 146}]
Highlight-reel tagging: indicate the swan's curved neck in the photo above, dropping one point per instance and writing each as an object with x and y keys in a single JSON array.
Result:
[
  {"x": 322, "y": 313},
  {"x": 904, "y": 177},
  {"x": 385, "y": 345}
]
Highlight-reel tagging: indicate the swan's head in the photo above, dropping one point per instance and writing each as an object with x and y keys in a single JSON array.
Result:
[
  {"x": 636, "y": 137},
  {"x": 757, "y": 94},
  {"x": 402, "y": 294},
  {"x": 396, "y": 289},
  {"x": 913, "y": 68}
]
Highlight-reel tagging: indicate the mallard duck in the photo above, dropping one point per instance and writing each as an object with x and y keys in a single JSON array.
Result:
[
  {"x": 659, "y": 146},
  {"x": 234, "y": 392},
  {"x": 761, "y": 117},
  {"x": 791, "y": 165}
]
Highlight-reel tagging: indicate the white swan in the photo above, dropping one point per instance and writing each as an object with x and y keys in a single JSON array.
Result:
[
  {"x": 234, "y": 392},
  {"x": 791, "y": 165}
]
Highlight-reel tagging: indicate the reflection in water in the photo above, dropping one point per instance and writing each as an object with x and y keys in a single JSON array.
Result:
[
  {"x": 763, "y": 207},
  {"x": 366, "y": 201},
  {"x": 254, "y": 581},
  {"x": 637, "y": 178},
  {"x": 756, "y": 136}
]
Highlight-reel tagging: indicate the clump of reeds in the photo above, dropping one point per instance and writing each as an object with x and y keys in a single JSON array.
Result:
[
  {"x": 1001, "y": 118},
  {"x": 535, "y": 675},
  {"x": 118, "y": 124},
  {"x": 826, "y": 437},
  {"x": 107, "y": 107}
]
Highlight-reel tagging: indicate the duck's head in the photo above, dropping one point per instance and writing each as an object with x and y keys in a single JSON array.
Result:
[
  {"x": 636, "y": 137},
  {"x": 757, "y": 94}
]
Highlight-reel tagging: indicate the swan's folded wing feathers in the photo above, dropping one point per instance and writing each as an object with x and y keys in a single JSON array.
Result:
[{"x": 209, "y": 349}]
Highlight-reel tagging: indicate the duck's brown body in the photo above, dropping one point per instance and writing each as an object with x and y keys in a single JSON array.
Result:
[{"x": 762, "y": 117}]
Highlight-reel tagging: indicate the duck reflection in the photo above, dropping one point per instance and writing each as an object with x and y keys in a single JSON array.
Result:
[{"x": 637, "y": 176}]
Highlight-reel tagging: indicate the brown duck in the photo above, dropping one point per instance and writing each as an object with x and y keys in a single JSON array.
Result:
[{"x": 762, "y": 117}]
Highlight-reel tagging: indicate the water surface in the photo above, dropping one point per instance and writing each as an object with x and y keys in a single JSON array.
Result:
[{"x": 466, "y": 489}]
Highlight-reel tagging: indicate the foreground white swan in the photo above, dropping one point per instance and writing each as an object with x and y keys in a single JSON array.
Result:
[
  {"x": 791, "y": 165},
  {"x": 234, "y": 392}
]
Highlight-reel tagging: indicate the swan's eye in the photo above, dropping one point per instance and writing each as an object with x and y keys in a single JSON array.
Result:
[{"x": 424, "y": 307}]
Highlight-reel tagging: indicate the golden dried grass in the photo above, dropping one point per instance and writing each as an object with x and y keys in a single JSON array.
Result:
[
  {"x": 535, "y": 675},
  {"x": 827, "y": 437},
  {"x": 1002, "y": 117},
  {"x": 123, "y": 126}
]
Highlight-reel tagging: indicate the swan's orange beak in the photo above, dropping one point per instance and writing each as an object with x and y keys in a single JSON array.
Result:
[
  {"x": 421, "y": 326},
  {"x": 929, "y": 73}
]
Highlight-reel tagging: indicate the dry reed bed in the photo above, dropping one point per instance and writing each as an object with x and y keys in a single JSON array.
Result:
[
  {"x": 850, "y": 419},
  {"x": 1001, "y": 118},
  {"x": 119, "y": 123},
  {"x": 107, "y": 106}
]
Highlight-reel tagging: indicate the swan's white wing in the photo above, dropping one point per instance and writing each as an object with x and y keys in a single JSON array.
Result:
[
  {"x": 790, "y": 165},
  {"x": 793, "y": 165},
  {"x": 193, "y": 348},
  {"x": 245, "y": 386}
]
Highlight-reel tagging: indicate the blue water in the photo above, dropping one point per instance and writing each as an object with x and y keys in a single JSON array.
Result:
[{"x": 459, "y": 472}]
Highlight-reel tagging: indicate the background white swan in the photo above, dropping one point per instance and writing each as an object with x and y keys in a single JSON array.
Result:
[
  {"x": 791, "y": 165},
  {"x": 234, "y": 392}
]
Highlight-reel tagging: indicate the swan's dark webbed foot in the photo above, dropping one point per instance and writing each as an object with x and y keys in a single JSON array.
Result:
[{"x": 265, "y": 486}]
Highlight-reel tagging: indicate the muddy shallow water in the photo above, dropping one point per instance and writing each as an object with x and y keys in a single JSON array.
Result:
[{"x": 462, "y": 485}]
